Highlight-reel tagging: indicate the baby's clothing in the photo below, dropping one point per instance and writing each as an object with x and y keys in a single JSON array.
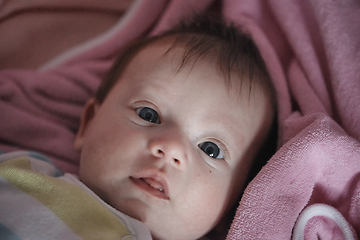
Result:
[{"x": 38, "y": 201}]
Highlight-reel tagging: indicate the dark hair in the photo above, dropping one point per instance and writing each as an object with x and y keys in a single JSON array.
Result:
[{"x": 231, "y": 50}]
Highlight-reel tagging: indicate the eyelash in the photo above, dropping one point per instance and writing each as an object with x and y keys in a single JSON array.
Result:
[
  {"x": 146, "y": 112},
  {"x": 221, "y": 146},
  {"x": 213, "y": 153}
]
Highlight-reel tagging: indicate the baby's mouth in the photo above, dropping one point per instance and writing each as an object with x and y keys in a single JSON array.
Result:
[
  {"x": 156, "y": 187},
  {"x": 153, "y": 183}
]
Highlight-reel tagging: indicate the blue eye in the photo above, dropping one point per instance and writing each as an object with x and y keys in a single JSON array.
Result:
[
  {"x": 148, "y": 114},
  {"x": 211, "y": 149}
]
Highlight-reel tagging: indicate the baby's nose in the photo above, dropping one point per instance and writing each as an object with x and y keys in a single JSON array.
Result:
[{"x": 170, "y": 148}]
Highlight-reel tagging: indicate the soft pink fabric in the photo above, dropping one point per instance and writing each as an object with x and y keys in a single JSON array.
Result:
[
  {"x": 312, "y": 50},
  {"x": 320, "y": 164},
  {"x": 40, "y": 110}
]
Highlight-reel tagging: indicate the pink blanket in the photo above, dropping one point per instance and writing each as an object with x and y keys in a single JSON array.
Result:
[{"x": 312, "y": 49}]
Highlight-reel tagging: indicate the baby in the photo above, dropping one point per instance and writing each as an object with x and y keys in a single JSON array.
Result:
[
  {"x": 169, "y": 138},
  {"x": 174, "y": 129}
]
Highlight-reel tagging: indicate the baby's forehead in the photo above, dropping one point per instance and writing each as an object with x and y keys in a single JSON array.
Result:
[
  {"x": 182, "y": 49},
  {"x": 151, "y": 60},
  {"x": 183, "y": 57}
]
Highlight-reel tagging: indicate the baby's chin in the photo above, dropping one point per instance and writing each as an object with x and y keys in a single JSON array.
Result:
[{"x": 179, "y": 233}]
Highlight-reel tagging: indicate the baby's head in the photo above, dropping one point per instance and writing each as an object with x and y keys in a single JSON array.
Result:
[{"x": 173, "y": 131}]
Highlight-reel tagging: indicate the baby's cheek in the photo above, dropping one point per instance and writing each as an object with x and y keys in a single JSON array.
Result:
[{"x": 213, "y": 201}]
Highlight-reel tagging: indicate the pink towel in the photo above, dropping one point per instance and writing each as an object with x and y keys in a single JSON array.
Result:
[
  {"x": 320, "y": 164},
  {"x": 312, "y": 50}
]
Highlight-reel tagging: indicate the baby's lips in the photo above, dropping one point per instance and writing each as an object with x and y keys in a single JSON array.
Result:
[
  {"x": 155, "y": 181},
  {"x": 154, "y": 184}
]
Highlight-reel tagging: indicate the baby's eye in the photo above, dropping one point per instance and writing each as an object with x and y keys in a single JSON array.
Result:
[
  {"x": 148, "y": 114},
  {"x": 211, "y": 149}
]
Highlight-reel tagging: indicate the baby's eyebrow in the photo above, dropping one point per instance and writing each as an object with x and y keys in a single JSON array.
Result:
[{"x": 229, "y": 136}]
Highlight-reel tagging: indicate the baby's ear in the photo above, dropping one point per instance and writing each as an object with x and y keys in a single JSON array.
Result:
[{"x": 89, "y": 112}]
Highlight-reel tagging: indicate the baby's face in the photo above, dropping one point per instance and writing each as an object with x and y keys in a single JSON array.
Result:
[{"x": 171, "y": 149}]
